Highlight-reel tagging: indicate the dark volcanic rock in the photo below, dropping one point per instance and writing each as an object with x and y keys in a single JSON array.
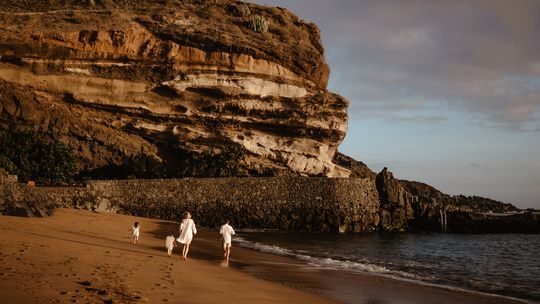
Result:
[
  {"x": 357, "y": 168},
  {"x": 396, "y": 208},
  {"x": 472, "y": 222},
  {"x": 14, "y": 200},
  {"x": 414, "y": 206}
]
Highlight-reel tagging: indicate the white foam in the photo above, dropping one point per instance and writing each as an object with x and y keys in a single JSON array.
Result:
[
  {"x": 360, "y": 267},
  {"x": 323, "y": 262}
]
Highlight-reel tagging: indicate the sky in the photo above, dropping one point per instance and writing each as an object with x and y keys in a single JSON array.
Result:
[{"x": 442, "y": 92}]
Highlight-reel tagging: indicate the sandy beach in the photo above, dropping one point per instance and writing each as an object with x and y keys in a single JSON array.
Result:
[{"x": 83, "y": 257}]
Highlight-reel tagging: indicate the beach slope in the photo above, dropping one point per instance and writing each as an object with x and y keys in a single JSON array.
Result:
[
  {"x": 83, "y": 257},
  {"x": 79, "y": 256}
]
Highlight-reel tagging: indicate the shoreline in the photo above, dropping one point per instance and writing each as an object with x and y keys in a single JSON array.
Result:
[
  {"x": 358, "y": 287},
  {"x": 303, "y": 260},
  {"x": 88, "y": 257}
]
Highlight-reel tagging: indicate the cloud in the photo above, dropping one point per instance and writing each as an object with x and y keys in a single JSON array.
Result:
[{"x": 480, "y": 57}]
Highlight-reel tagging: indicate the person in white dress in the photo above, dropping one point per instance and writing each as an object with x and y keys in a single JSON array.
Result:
[
  {"x": 226, "y": 232},
  {"x": 170, "y": 243},
  {"x": 135, "y": 230},
  {"x": 187, "y": 230}
]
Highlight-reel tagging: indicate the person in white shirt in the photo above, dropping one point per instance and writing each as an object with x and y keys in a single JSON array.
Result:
[
  {"x": 226, "y": 232},
  {"x": 187, "y": 230},
  {"x": 135, "y": 230},
  {"x": 170, "y": 243}
]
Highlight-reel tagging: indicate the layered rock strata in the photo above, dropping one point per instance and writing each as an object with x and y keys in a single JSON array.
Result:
[{"x": 119, "y": 80}]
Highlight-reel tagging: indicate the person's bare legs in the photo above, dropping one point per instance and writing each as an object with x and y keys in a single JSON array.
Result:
[
  {"x": 185, "y": 251},
  {"x": 226, "y": 250},
  {"x": 135, "y": 239}
]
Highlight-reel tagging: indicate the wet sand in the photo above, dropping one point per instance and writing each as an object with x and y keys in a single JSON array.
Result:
[{"x": 84, "y": 257}]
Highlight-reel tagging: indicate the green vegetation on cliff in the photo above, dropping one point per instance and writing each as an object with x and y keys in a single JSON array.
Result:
[
  {"x": 34, "y": 157},
  {"x": 229, "y": 162},
  {"x": 225, "y": 162}
]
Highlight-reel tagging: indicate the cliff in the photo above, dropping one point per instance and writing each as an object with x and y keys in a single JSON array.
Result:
[
  {"x": 415, "y": 206},
  {"x": 154, "y": 89},
  {"x": 152, "y": 82}
]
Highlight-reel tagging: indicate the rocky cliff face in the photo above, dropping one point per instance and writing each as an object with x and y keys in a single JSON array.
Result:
[
  {"x": 396, "y": 203},
  {"x": 124, "y": 80},
  {"x": 148, "y": 83},
  {"x": 414, "y": 206}
]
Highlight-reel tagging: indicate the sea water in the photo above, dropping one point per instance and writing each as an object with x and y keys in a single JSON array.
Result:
[{"x": 502, "y": 264}]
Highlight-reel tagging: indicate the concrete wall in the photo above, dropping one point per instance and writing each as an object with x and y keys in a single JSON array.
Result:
[{"x": 285, "y": 203}]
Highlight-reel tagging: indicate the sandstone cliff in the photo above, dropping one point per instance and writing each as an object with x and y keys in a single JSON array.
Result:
[
  {"x": 150, "y": 84},
  {"x": 152, "y": 81}
]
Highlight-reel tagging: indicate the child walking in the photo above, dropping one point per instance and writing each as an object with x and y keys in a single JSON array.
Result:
[
  {"x": 226, "y": 232},
  {"x": 170, "y": 243},
  {"x": 135, "y": 232}
]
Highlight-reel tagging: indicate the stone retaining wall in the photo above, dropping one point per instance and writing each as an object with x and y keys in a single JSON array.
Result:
[
  {"x": 6, "y": 178},
  {"x": 284, "y": 203}
]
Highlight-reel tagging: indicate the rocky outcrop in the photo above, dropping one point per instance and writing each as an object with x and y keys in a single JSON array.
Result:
[
  {"x": 414, "y": 206},
  {"x": 20, "y": 199},
  {"x": 396, "y": 209},
  {"x": 465, "y": 214},
  {"x": 513, "y": 222},
  {"x": 358, "y": 169},
  {"x": 128, "y": 80}
]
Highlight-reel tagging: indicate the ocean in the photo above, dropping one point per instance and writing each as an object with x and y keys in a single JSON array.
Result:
[{"x": 500, "y": 264}]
